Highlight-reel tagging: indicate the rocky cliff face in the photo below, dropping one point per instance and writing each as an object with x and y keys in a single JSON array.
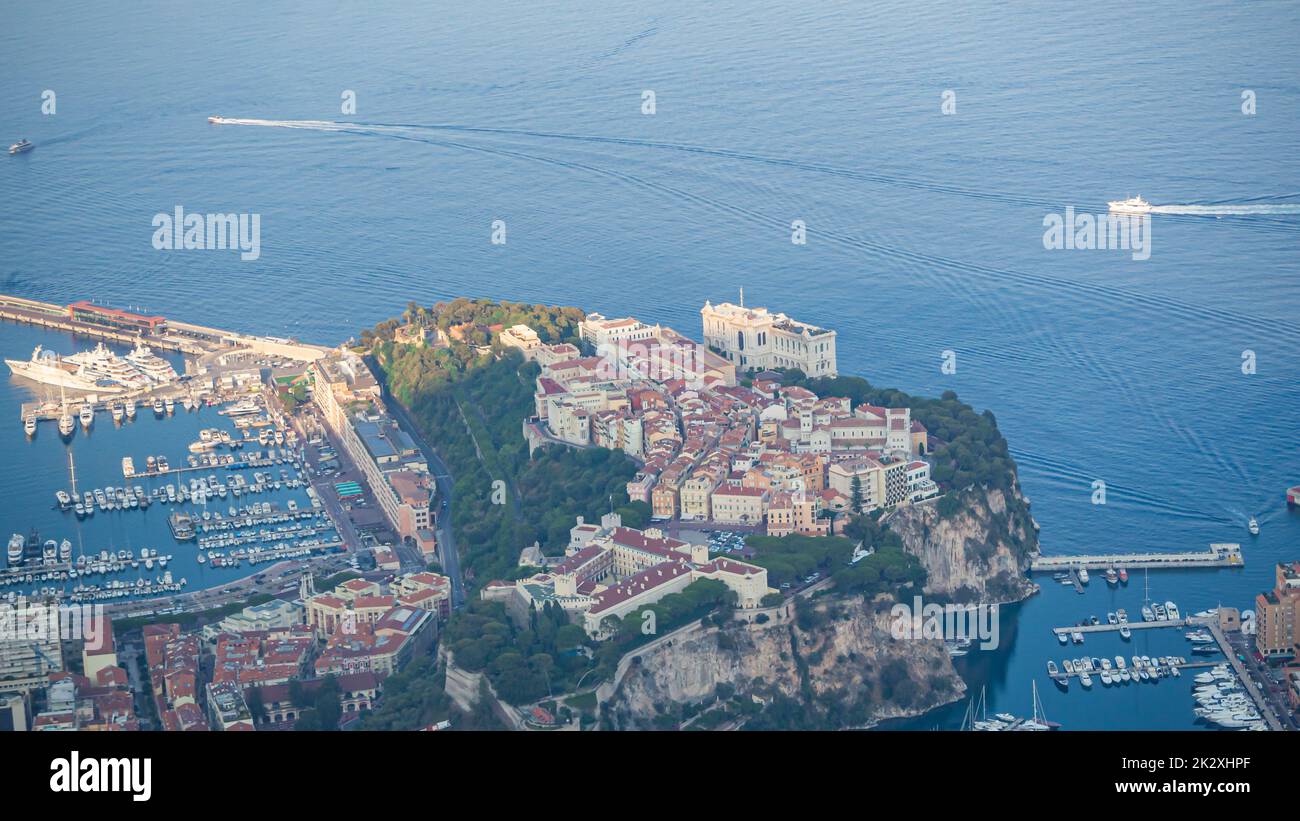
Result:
[
  {"x": 837, "y": 666},
  {"x": 975, "y": 545}
]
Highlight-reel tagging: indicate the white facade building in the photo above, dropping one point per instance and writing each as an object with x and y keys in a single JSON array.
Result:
[{"x": 755, "y": 339}]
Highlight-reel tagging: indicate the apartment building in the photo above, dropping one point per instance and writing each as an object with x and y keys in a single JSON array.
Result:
[{"x": 1277, "y": 614}]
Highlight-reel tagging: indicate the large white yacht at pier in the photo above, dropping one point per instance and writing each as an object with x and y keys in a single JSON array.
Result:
[
  {"x": 48, "y": 368},
  {"x": 99, "y": 369}
]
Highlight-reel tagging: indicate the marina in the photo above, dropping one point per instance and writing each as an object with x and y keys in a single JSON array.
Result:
[{"x": 208, "y": 489}]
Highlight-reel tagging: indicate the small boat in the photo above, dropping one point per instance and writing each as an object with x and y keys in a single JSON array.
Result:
[
  {"x": 158, "y": 406},
  {"x": 21, "y": 146},
  {"x": 1122, "y": 615},
  {"x": 65, "y": 501},
  {"x": 1076, "y": 637},
  {"x": 1086, "y": 680},
  {"x": 1123, "y": 575},
  {"x": 169, "y": 405},
  {"x": 87, "y": 415},
  {"x": 1112, "y": 578},
  {"x": 119, "y": 412},
  {"x": 1147, "y": 613},
  {"x": 1124, "y": 632},
  {"x": 130, "y": 409},
  {"x": 1253, "y": 526},
  {"x": 67, "y": 424},
  {"x": 1062, "y": 638},
  {"x": 1132, "y": 205},
  {"x": 29, "y": 425},
  {"x": 1111, "y": 618},
  {"x": 1083, "y": 575},
  {"x": 1171, "y": 610},
  {"x": 1068, "y": 666}
]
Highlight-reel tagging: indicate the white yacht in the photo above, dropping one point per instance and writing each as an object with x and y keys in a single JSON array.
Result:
[
  {"x": 67, "y": 424},
  {"x": 157, "y": 406},
  {"x": 49, "y": 368},
  {"x": 29, "y": 424},
  {"x": 65, "y": 550},
  {"x": 1132, "y": 205},
  {"x": 16, "y": 544},
  {"x": 153, "y": 366},
  {"x": 130, "y": 409},
  {"x": 1171, "y": 610},
  {"x": 119, "y": 412},
  {"x": 1253, "y": 526},
  {"x": 170, "y": 405},
  {"x": 87, "y": 415},
  {"x": 107, "y": 369},
  {"x": 1083, "y": 575}
]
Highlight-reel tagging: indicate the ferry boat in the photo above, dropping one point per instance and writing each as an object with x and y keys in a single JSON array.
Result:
[
  {"x": 87, "y": 415},
  {"x": 1132, "y": 205},
  {"x": 130, "y": 409},
  {"x": 1253, "y": 527},
  {"x": 21, "y": 146},
  {"x": 16, "y": 544}
]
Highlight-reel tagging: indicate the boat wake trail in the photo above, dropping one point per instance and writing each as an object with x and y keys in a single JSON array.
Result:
[{"x": 1228, "y": 210}]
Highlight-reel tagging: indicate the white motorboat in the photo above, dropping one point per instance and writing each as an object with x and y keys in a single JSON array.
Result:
[{"x": 1132, "y": 205}]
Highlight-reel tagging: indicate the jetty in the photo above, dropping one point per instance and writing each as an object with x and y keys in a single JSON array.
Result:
[
  {"x": 1221, "y": 554},
  {"x": 1114, "y": 628}
]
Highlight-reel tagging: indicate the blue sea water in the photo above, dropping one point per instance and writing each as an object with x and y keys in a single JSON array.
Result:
[{"x": 925, "y": 229}]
